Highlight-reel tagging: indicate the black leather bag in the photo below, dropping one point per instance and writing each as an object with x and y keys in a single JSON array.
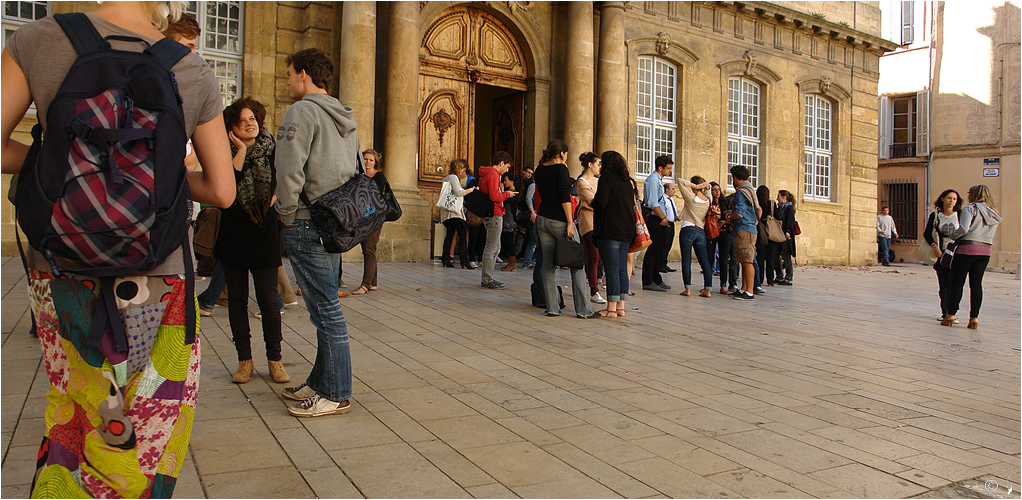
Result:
[
  {"x": 345, "y": 216},
  {"x": 570, "y": 253},
  {"x": 479, "y": 203}
]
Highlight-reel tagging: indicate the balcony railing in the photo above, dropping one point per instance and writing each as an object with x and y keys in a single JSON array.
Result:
[{"x": 907, "y": 150}]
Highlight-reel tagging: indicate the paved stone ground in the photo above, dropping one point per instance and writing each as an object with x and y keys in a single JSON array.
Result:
[{"x": 844, "y": 385}]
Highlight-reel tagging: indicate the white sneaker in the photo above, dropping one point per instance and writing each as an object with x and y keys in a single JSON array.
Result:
[
  {"x": 318, "y": 407},
  {"x": 598, "y": 299},
  {"x": 300, "y": 393}
]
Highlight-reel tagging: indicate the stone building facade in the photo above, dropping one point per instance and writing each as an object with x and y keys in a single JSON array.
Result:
[
  {"x": 951, "y": 115},
  {"x": 788, "y": 88}
]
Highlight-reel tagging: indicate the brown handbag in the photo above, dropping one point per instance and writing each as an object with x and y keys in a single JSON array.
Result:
[{"x": 472, "y": 219}]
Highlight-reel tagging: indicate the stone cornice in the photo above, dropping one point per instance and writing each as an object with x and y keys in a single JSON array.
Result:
[{"x": 785, "y": 16}]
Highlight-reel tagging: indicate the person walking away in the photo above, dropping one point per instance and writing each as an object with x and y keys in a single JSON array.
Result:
[
  {"x": 317, "y": 151},
  {"x": 454, "y": 221},
  {"x": 977, "y": 225},
  {"x": 693, "y": 232},
  {"x": 553, "y": 185},
  {"x": 945, "y": 216},
  {"x": 748, "y": 211},
  {"x": 656, "y": 221},
  {"x": 614, "y": 228},
  {"x": 786, "y": 214},
  {"x": 672, "y": 218},
  {"x": 489, "y": 183},
  {"x": 885, "y": 230},
  {"x": 370, "y": 270},
  {"x": 102, "y": 446},
  {"x": 586, "y": 187}
]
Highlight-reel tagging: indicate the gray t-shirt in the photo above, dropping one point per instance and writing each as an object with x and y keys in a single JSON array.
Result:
[{"x": 44, "y": 54}]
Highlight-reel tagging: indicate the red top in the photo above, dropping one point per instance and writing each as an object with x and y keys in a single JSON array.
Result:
[{"x": 489, "y": 183}]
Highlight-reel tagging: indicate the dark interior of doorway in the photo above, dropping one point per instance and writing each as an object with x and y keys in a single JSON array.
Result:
[{"x": 484, "y": 118}]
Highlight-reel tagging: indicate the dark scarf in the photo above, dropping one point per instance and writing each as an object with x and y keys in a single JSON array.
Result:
[{"x": 254, "y": 188}]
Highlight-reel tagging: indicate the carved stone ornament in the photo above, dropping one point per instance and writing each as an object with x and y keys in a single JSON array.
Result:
[
  {"x": 515, "y": 6},
  {"x": 750, "y": 63},
  {"x": 442, "y": 121},
  {"x": 825, "y": 84},
  {"x": 663, "y": 43}
]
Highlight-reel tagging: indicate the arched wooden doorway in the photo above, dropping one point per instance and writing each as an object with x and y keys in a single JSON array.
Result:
[{"x": 472, "y": 85}]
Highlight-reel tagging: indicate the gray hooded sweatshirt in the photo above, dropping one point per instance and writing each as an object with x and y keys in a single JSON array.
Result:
[
  {"x": 977, "y": 224},
  {"x": 317, "y": 149}
]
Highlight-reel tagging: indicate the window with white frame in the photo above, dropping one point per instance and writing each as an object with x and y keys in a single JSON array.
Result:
[
  {"x": 657, "y": 117},
  {"x": 19, "y": 13},
  {"x": 221, "y": 42},
  {"x": 743, "y": 130},
  {"x": 819, "y": 149}
]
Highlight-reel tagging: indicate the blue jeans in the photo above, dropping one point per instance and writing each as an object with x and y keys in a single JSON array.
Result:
[
  {"x": 723, "y": 245},
  {"x": 216, "y": 286},
  {"x": 549, "y": 232},
  {"x": 530, "y": 249},
  {"x": 316, "y": 271},
  {"x": 692, "y": 236},
  {"x": 615, "y": 262},
  {"x": 885, "y": 248}
]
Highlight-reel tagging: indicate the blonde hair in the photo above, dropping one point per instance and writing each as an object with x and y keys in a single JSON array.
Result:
[
  {"x": 980, "y": 193},
  {"x": 161, "y": 14},
  {"x": 456, "y": 165}
]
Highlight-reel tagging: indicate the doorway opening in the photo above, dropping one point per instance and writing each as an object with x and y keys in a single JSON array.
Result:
[{"x": 499, "y": 123}]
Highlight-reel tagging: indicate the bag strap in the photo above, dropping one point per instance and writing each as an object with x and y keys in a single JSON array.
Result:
[
  {"x": 80, "y": 30},
  {"x": 168, "y": 52}
]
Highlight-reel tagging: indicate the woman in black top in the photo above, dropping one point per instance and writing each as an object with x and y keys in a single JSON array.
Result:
[
  {"x": 553, "y": 188},
  {"x": 614, "y": 228},
  {"x": 786, "y": 214},
  {"x": 767, "y": 255},
  {"x": 249, "y": 240},
  {"x": 941, "y": 223},
  {"x": 374, "y": 169}
]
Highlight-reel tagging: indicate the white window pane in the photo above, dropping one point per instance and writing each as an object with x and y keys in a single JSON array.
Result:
[
  {"x": 809, "y": 167},
  {"x": 643, "y": 150}
]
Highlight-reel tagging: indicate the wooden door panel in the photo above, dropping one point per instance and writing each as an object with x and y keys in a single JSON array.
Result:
[
  {"x": 443, "y": 126},
  {"x": 509, "y": 127}
]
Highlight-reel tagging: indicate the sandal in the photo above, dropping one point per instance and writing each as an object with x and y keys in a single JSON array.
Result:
[
  {"x": 949, "y": 320},
  {"x": 608, "y": 314},
  {"x": 620, "y": 313},
  {"x": 360, "y": 291},
  {"x": 341, "y": 294},
  {"x": 373, "y": 288}
]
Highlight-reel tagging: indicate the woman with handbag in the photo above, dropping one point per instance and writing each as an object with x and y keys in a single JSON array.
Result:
[
  {"x": 452, "y": 216},
  {"x": 553, "y": 184},
  {"x": 614, "y": 226},
  {"x": 947, "y": 206},
  {"x": 767, "y": 251},
  {"x": 586, "y": 188},
  {"x": 977, "y": 225},
  {"x": 249, "y": 239},
  {"x": 786, "y": 214},
  {"x": 692, "y": 234},
  {"x": 374, "y": 169},
  {"x": 719, "y": 249},
  {"x": 632, "y": 252}
]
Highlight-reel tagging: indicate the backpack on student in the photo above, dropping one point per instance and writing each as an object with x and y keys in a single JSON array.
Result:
[{"x": 105, "y": 192}]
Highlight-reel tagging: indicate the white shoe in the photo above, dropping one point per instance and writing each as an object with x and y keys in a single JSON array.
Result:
[
  {"x": 290, "y": 304},
  {"x": 259, "y": 315},
  {"x": 598, "y": 299},
  {"x": 317, "y": 407}
]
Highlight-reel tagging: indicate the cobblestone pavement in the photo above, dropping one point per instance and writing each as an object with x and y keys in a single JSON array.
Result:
[{"x": 844, "y": 385}]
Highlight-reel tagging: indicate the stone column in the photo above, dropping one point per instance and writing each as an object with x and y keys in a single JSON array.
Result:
[
  {"x": 408, "y": 238},
  {"x": 612, "y": 79},
  {"x": 578, "y": 119},
  {"x": 358, "y": 63}
]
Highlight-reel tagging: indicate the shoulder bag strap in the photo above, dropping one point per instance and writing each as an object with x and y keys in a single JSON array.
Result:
[{"x": 83, "y": 35}]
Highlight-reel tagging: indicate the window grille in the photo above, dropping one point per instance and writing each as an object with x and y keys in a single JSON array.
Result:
[
  {"x": 902, "y": 197},
  {"x": 657, "y": 124}
]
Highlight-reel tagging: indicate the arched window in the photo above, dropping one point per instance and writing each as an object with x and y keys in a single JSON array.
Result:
[
  {"x": 743, "y": 130},
  {"x": 819, "y": 148},
  {"x": 657, "y": 117},
  {"x": 221, "y": 42}
]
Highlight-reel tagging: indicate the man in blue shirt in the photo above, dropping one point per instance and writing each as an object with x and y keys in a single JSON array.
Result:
[
  {"x": 654, "y": 212},
  {"x": 748, "y": 212}
]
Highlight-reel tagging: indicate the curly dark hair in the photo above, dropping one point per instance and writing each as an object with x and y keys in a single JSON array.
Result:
[
  {"x": 232, "y": 113},
  {"x": 316, "y": 64},
  {"x": 614, "y": 163}
]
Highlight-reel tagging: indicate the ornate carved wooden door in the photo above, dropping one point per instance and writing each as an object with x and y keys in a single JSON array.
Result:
[
  {"x": 508, "y": 127},
  {"x": 462, "y": 47}
]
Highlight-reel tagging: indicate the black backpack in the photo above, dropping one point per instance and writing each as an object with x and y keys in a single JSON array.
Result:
[{"x": 105, "y": 193}]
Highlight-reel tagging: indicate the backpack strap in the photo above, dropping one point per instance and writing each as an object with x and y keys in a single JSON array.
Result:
[
  {"x": 83, "y": 35},
  {"x": 168, "y": 52}
]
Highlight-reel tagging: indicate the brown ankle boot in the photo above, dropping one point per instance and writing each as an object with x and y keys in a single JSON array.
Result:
[
  {"x": 510, "y": 264},
  {"x": 277, "y": 370},
  {"x": 243, "y": 373}
]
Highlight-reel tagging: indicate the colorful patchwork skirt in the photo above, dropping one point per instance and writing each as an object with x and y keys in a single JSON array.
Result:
[{"x": 117, "y": 423}]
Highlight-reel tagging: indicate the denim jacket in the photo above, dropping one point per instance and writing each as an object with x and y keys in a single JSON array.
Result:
[{"x": 748, "y": 212}]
